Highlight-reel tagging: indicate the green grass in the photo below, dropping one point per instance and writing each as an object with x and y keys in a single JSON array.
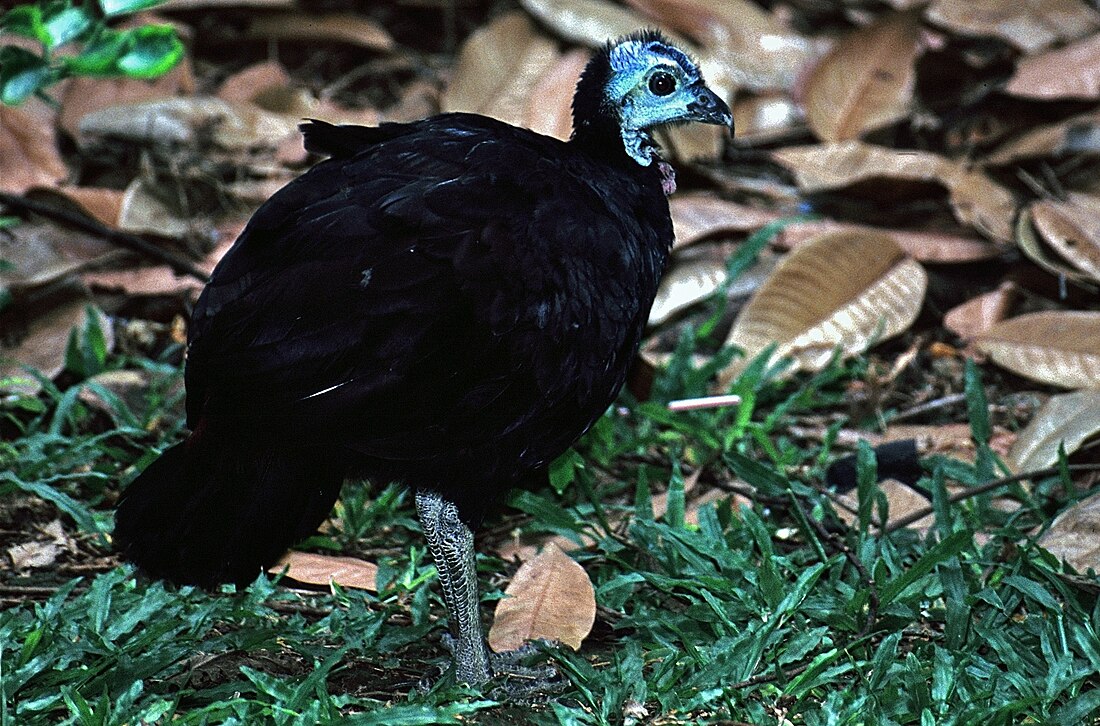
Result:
[{"x": 768, "y": 613}]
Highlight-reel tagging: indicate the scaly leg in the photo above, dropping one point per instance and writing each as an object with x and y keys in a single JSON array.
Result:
[{"x": 452, "y": 546}]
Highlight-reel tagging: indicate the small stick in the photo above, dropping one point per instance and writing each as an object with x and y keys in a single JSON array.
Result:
[{"x": 696, "y": 404}]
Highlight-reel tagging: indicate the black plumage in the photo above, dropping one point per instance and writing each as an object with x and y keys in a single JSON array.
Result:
[{"x": 449, "y": 303}]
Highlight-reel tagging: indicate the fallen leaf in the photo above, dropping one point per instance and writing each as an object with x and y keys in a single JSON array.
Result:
[
  {"x": 40, "y": 253},
  {"x": 1030, "y": 25},
  {"x": 1078, "y": 134},
  {"x": 28, "y": 152},
  {"x": 1072, "y": 72},
  {"x": 1067, "y": 420},
  {"x": 550, "y": 597},
  {"x": 84, "y": 95},
  {"x": 976, "y": 199},
  {"x": 923, "y": 246},
  {"x": 700, "y": 215},
  {"x": 353, "y": 29},
  {"x": 1028, "y": 241},
  {"x": 102, "y": 205},
  {"x": 497, "y": 67},
  {"x": 742, "y": 45},
  {"x": 954, "y": 440},
  {"x": 866, "y": 81},
  {"x": 129, "y": 386},
  {"x": 760, "y": 119},
  {"x": 588, "y": 22},
  {"x": 549, "y": 107},
  {"x": 1074, "y": 535},
  {"x": 42, "y": 344},
  {"x": 979, "y": 314},
  {"x": 1059, "y": 347},
  {"x": 247, "y": 83},
  {"x": 158, "y": 279},
  {"x": 324, "y": 570},
  {"x": 1072, "y": 228},
  {"x": 686, "y": 283},
  {"x": 33, "y": 555},
  {"x": 843, "y": 290},
  {"x": 186, "y": 120},
  {"x": 901, "y": 499}
]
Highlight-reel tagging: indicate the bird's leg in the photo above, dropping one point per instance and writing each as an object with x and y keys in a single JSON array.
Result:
[{"x": 452, "y": 546}]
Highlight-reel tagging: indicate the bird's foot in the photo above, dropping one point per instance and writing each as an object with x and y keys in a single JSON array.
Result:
[{"x": 516, "y": 676}]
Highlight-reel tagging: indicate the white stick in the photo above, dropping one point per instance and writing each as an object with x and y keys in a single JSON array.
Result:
[{"x": 694, "y": 404}]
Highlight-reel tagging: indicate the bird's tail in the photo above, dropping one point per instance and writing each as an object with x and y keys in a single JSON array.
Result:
[{"x": 211, "y": 511}]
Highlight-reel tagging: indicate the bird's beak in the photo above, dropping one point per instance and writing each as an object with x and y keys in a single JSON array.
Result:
[{"x": 708, "y": 108}]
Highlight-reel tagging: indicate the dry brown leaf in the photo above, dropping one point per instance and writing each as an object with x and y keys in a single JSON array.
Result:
[
  {"x": 1057, "y": 347},
  {"x": 186, "y": 120},
  {"x": 1076, "y": 135},
  {"x": 759, "y": 119},
  {"x": 498, "y": 66},
  {"x": 324, "y": 570},
  {"x": 550, "y": 597},
  {"x": 1068, "y": 419},
  {"x": 84, "y": 95},
  {"x": 588, "y": 22},
  {"x": 743, "y": 46},
  {"x": 42, "y": 345},
  {"x": 157, "y": 279},
  {"x": 1074, "y": 536},
  {"x": 1028, "y": 240},
  {"x": 921, "y": 246},
  {"x": 700, "y": 215},
  {"x": 901, "y": 499},
  {"x": 549, "y": 108},
  {"x": 979, "y": 314},
  {"x": 1072, "y": 72},
  {"x": 39, "y": 253},
  {"x": 844, "y": 290},
  {"x": 28, "y": 152},
  {"x": 976, "y": 199},
  {"x": 102, "y": 205},
  {"x": 244, "y": 85},
  {"x": 33, "y": 555},
  {"x": 1030, "y": 25},
  {"x": 1072, "y": 228},
  {"x": 347, "y": 28},
  {"x": 686, "y": 283},
  {"x": 866, "y": 81}
]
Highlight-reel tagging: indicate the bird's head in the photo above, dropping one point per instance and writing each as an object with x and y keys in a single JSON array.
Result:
[{"x": 641, "y": 82}]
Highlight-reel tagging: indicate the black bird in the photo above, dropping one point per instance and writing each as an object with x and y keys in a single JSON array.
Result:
[{"x": 448, "y": 303}]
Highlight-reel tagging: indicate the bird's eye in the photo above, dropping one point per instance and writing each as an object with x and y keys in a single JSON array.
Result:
[{"x": 662, "y": 84}]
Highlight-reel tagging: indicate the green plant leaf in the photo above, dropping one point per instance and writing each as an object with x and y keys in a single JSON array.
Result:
[
  {"x": 154, "y": 50},
  {"x": 67, "y": 25},
  {"x": 22, "y": 74},
  {"x": 26, "y": 20},
  {"x": 99, "y": 57},
  {"x": 112, "y": 8}
]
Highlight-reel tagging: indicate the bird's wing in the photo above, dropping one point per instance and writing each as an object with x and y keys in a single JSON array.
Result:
[{"x": 451, "y": 280}]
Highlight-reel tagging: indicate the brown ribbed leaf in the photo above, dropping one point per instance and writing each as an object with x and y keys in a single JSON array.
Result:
[
  {"x": 976, "y": 199},
  {"x": 1073, "y": 536},
  {"x": 700, "y": 215},
  {"x": 549, "y": 108},
  {"x": 550, "y": 597},
  {"x": 1077, "y": 134},
  {"x": 766, "y": 117},
  {"x": 921, "y": 246},
  {"x": 1072, "y": 72},
  {"x": 588, "y": 22},
  {"x": 28, "y": 152},
  {"x": 866, "y": 81},
  {"x": 1030, "y": 25},
  {"x": 844, "y": 290},
  {"x": 349, "y": 28},
  {"x": 324, "y": 570},
  {"x": 1068, "y": 420},
  {"x": 979, "y": 314},
  {"x": 498, "y": 66},
  {"x": 1057, "y": 347},
  {"x": 686, "y": 283},
  {"x": 1028, "y": 241},
  {"x": 1072, "y": 228}
]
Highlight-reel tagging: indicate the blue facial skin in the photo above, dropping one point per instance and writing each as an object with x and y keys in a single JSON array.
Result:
[{"x": 653, "y": 84}]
